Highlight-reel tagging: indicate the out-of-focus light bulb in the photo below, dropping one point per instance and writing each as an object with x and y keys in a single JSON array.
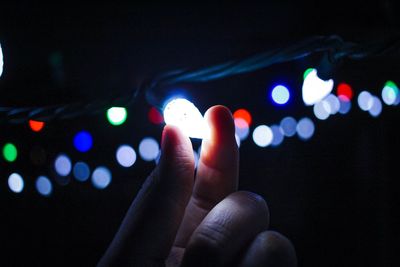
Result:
[
  {"x": 314, "y": 89},
  {"x": 184, "y": 115},
  {"x": 1, "y": 61}
]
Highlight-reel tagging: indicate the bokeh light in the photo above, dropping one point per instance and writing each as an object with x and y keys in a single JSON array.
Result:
[
  {"x": 306, "y": 72},
  {"x": 16, "y": 183},
  {"x": 277, "y": 135},
  {"x": 237, "y": 138},
  {"x": 305, "y": 128},
  {"x": 376, "y": 107},
  {"x": 333, "y": 102},
  {"x": 44, "y": 186},
  {"x": 288, "y": 126},
  {"x": 262, "y": 135},
  {"x": 365, "y": 100},
  {"x": 280, "y": 94},
  {"x": 83, "y": 141},
  {"x": 322, "y": 110},
  {"x": 126, "y": 156},
  {"x": 345, "y": 106},
  {"x": 62, "y": 165},
  {"x": 390, "y": 93},
  {"x": 36, "y": 126},
  {"x": 101, "y": 177},
  {"x": 344, "y": 92},
  {"x": 155, "y": 116},
  {"x": 117, "y": 115},
  {"x": 148, "y": 149},
  {"x": 241, "y": 128},
  {"x": 10, "y": 152},
  {"x": 196, "y": 158},
  {"x": 315, "y": 89},
  {"x": 81, "y": 171},
  {"x": 243, "y": 114}
]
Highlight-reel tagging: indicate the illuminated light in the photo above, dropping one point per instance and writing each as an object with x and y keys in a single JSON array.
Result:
[
  {"x": 344, "y": 92},
  {"x": 305, "y": 128},
  {"x": 126, "y": 156},
  {"x": 280, "y": 94},
  {"x": 38, "y": 155},
  {"x": 117, "y": 115},
  {"x": 333, "y": 102},
  {"x": 83, "y": 141},
  {"x": 149, "y": 149},
  {"x": 36, "y": 126},
  {"x": 155, "y": 116},
  {"x": 183, "y": 114},
  {"x": 244, "y": 115},
  {"x": 44, "y": 186},
  {"x": 81, "y": 171},
  {"x": 62, "y": 165},
  {"x": 10, "y": 152},
  {"x": 314, "y": 89},
  {"x": 365, "y": 100},
  {"x": 390, "y": 93},
  {"x": 288, "y": 126},
  {"x": 237, "y": 138},
  {"x": 376, "y": 107},
  {"x": 262, "y": 135},
  {"x": 277, "y": 135},
  {"x": 345, "y": 106},
  {"x": 101, "y": 177},
  {"x": 1, "y": 61},
  {"x": 241, "y": 128},
  {"x": 306, "y": 72},
  {"x": 16, "y": 183},
  {"x": 321, "y": 110},
  {"x": 196, "y": 158}
]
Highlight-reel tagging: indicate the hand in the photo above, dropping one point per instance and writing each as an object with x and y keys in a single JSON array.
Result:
[{"x": 180, "y": 218}]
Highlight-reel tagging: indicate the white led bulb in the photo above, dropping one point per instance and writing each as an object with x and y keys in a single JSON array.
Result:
[
  {"x": 314, "y": 89},
  {"x": 184, "y": 115}
]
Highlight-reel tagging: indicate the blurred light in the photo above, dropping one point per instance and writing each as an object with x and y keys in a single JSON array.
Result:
[
  {"x": 62, "y": 165},
  {"x": 376, "y": 107},
  {"x": 262, "y": 135},
  {"x": 149, "y": 149},
  {"x": 365, "y": 100},
  {"x": 345, "y": 106},
  {"x": 117, "y": 115},
  {"x": 101, "y": 177},
  {"x": 344, "y": 92},
  {"x": 16, "y": 183},
  {"x": 36, "y": 126},
  {"x": 38, "y": 155},
  {"x": 305, "y": 128},
  {"x": 237, "y": 138},
  {"x": 126, "y": 156},
  {"x": 10, "y": 152},
  {"x": 1, "y": 61},
  {"x": 244, "y": 115},
  {"x": 196, "y": 158},
  {"x": 241, "y": 128},
  {"x": 288, "y": 126},
  {"x": 314, "y": 89},
  {"x": 277, "y": 135},
  {"x": 280, "y": 94},
  {"x": 44, "y": 186},
  {"x": 83, "y": 141},
  {"x": 183, "y": 114},
  {"x": 333, "y": 102},
  {"x": 390, "y": 93},
  {"x": 81, "y": 171},
  {"x": 306, "y": 72},
  {"x": 321, "y": 110},
  {"x": 155, "y": 116}
]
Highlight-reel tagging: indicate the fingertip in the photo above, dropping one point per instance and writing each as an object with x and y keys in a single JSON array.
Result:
[{"x": 221, "y": 122}]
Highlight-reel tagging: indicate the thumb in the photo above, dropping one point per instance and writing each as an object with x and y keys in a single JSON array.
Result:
[{"x": 150, "y": 225}]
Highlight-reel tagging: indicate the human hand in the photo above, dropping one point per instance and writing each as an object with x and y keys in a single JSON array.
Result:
[{"x": 180, "y": 218}]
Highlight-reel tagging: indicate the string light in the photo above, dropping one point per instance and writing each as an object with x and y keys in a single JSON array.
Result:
[
  {"x": 314, "y": 89},
  {"x": 81, "y": 171},
  {"x": 44, "y": 186},
  {"x": 16, "y": 183},
  {"x": 101, "y": 177},
  {"x": 36, "y": 126},
  {"x": 280, "y": 94},
  {"x": 62, "y": 165},
  {"x": 83, "y": 141},
  {"x": 117, "y": 115},
  {"x": 126, "y": 156},
  {"x": 149, "y": 149},
  {"x": 390, "y": 93},
  {"x": 10, "y": 152}
]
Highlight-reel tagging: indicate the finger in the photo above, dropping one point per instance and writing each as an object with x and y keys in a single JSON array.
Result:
[
  {"x": 149, "y": 228},
  {"x": 217, "y": 172},
  {"x": 224, "y": 232},
  {"x": 270, "y": 249}
]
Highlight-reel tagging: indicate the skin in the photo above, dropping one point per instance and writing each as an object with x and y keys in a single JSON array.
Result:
[{"x": 185, "y": 218}]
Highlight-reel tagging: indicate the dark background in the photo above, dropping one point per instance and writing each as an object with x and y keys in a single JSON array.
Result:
[{"x": 334, "y": 196}]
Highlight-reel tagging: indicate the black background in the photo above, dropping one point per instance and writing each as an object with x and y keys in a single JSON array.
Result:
[{"x": 334, "y": 196}]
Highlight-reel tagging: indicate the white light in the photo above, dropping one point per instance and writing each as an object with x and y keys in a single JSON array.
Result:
[
  {"x": 241, "y": 128},
  {"x": 126, "y": 156},
  {"x": 321, "y": 110},
  {"x": 101, "y": 177},
  {"x": 1, "y": 61},
  {"x": 237, "y": 140},
  {"x": 183, "y": 114},
  {"x": 44, "y": 186},
  {"x": 262, "y": 135},
  {"x": 280, "y": 94},
  {"x": 277, "y": 135},
  {"x": 62, "y": 165},
  {"x": 314, "y": 89},
  {"x": 149, "y": 149},
  {"x": 196, "y": 158},
  {"x": 376, "y": 107},
  {"x": 333, "y": 102},
  {"x": 81, "y": 171},
  {"x": 365, "y": 100},
  {"x": 288, "y": 126},
  {"x": 16, "y": 183},
  {"x": 305, "y": 128}
]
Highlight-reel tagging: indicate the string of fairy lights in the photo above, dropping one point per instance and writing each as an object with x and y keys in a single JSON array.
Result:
[{"x": 324, "y": 97}]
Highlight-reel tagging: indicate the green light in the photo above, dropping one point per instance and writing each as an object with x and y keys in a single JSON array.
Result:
[
  {"x": 307, "y": 72},
  {"x": 117, "y": 115},
  {"x": 391, "y": 84},
  {"x": 390, "y": 93},
  {"x": 10, "y": 152}
]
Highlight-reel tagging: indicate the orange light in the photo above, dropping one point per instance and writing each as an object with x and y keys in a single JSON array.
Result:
[
  {"x": 242, "y": 114},
  {"x": 36, "y": 126}
]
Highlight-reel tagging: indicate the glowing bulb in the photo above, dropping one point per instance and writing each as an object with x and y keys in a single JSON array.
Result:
[
  {"x": 183, "y": 114},
  {"x": 116, "y": 115},
  {"x": 1, "y": 61},
  {"x": 314, "y": 89}
]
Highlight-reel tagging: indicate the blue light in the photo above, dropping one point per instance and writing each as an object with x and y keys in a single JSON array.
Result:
[
  {"x": 288, "y": 126},
  {"x": 83, "y": 141},
  {"x": 81, "y": 171},
  {"x": 280, "y": 94},
  {"x": 305, "y": 128},
  {"x": 277, "y": 135},
  {"x": 101, "y": 177},
  {"x": 44, "y": 186}
]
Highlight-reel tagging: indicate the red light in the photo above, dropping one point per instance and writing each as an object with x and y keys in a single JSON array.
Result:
[
  {"x": 344, "y": 92},
  {"x": 36, "y": 126},
  {"x": 242, "y": 114},
  {"x": 155, "y": 116}
]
